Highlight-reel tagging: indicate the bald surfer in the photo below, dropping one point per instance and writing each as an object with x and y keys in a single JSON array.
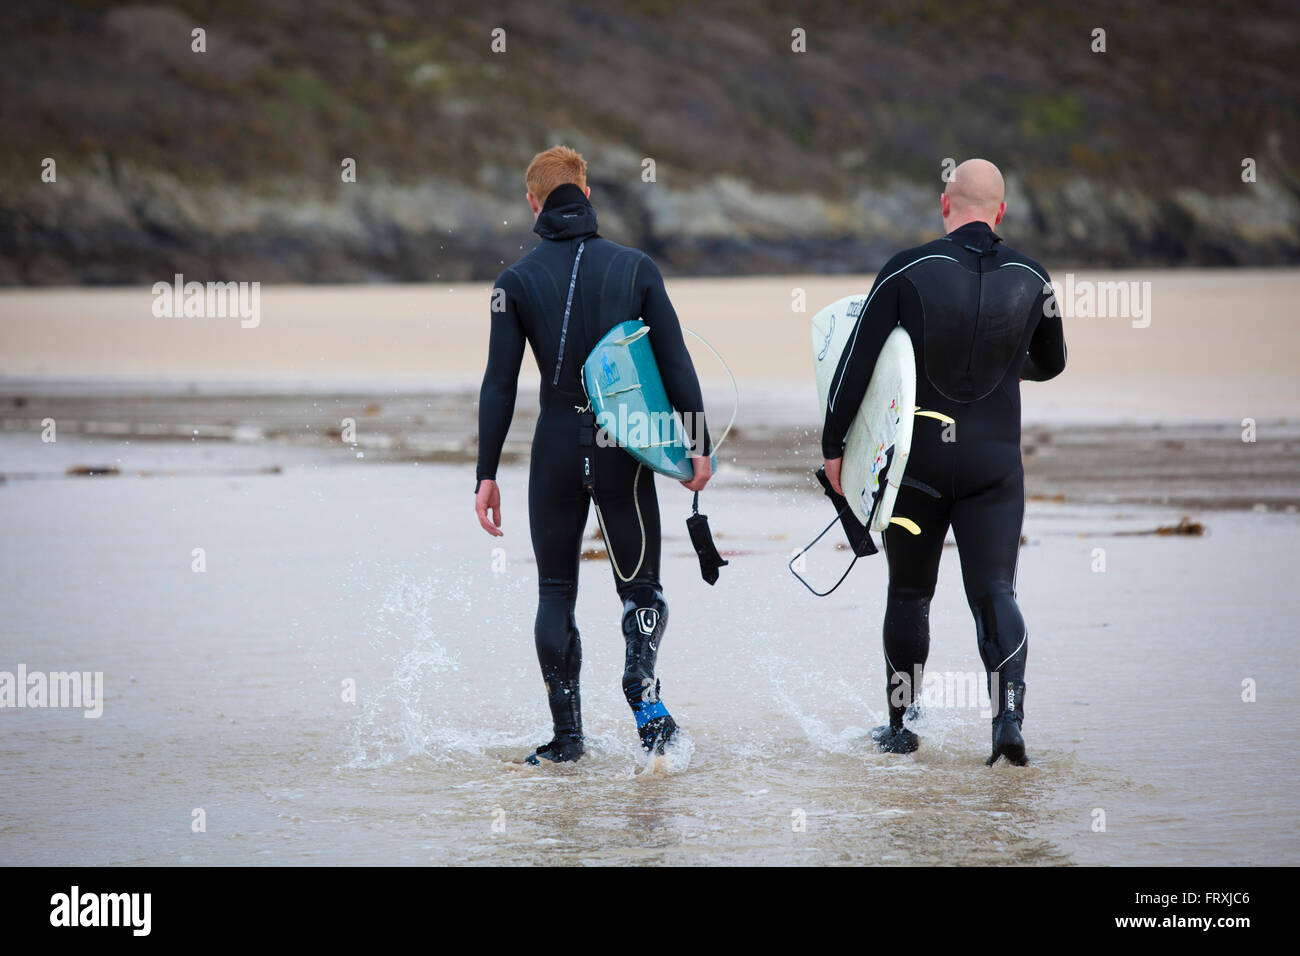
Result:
[
  {"x": 560, "y": 299},
  {"x": 982, "y": 318}
]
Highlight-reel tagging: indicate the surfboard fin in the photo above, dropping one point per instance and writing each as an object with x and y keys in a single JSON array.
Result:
[
  {"x": 907, "y": 524},
  {"x": 938, "y": 416},
  {"x": 921, "y": 486}
]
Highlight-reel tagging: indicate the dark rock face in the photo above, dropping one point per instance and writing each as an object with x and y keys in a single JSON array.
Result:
[
  {"x": 225, "y": 163},
  {"x": 147, "y": 226}
]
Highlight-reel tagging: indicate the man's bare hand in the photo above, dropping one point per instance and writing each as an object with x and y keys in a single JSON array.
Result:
[
  {"x": 488, "y": 499},
  {"x": 833, "y": 473},
  {"x": 703, "y": 472}
]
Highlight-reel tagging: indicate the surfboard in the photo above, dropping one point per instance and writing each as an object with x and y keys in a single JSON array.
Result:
[
  {"x": 880, "y": 438},
  {"x": 630, "y": 403}
]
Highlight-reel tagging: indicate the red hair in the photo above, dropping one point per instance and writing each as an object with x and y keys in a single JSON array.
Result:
[{"x": 555, "y": 167}]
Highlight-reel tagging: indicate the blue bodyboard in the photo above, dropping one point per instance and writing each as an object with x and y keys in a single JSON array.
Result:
[{"x": 630, "y": 404}]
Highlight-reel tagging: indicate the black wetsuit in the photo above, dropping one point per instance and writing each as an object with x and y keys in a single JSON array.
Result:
[
  {"x": 613, "y": 284},
  {"x": 981, "y": 317}
]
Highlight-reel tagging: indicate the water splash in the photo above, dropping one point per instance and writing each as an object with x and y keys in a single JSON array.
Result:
[
  {"x": 425, "y": 706},
  {"x": 676, "y": 757}
]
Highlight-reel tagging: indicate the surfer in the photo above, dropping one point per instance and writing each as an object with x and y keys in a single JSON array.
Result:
[
  {"x": 559, "y": 299},
  {"x": 982, "y": 318}
]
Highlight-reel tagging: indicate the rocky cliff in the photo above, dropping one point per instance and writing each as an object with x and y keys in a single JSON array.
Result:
[{"x": 714, "y": 142}]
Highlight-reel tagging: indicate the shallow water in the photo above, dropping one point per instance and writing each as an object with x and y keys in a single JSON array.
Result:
[{"x": 224, "y": 689}]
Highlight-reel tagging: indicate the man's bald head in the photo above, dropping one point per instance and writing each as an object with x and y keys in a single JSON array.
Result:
[{"x": 975, "y": 193}]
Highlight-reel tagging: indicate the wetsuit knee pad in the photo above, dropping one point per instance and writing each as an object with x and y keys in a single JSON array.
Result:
[
  {"x": 645, "y": 616},
  {"x": 555, "y": 631}
]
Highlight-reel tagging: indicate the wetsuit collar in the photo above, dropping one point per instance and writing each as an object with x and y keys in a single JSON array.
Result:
[
  {"x": 975, "y": 236},
  {"x": 566, "y": 214}
]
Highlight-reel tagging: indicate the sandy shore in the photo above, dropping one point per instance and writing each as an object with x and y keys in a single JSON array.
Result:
[
  {"x": 1219, "y": 346},
  {"x": 1155, "y": 413}
]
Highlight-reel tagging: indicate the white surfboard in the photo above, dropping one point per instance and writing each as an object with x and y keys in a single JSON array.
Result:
[{"x": 883, "y": 421}]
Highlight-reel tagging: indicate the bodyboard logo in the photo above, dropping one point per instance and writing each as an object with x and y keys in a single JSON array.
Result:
[{"x": 608, "y": 369}]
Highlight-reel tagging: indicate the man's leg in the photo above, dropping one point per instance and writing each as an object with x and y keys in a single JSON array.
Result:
[
  {"x": 557, "y": 514},
  {"x": 629, "y": 516},
  {"x": 913, "y": 571},
  {"x": 645, "y": 617},
  {"x": 987, "y": 526}
]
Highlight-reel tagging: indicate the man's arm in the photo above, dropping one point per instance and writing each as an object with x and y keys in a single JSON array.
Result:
[
  {"x": 853, "y": 374},
  {"x": 1046, "y": 355},
  {"x": 496, "y": 399},
  {"x": 674, "y": 361}
]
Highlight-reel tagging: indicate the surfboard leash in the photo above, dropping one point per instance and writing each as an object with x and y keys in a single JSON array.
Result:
[
  {"x": 858, "y": 535},
  {"x": 609, "y": 544},
  {"x": 734, "y": 388},
  {"x": 804, "y": 550},
  {"x": 697, "y": 525}
]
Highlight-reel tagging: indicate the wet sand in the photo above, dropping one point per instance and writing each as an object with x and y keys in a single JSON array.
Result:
[
  {"x": 224, "y": 688},
  {"x": 329, "y": 562},
  {"x": 1219, "y": 346}
]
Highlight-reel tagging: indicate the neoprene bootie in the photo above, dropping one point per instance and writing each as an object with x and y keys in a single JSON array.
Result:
[
  {"x": 654, "y": 724},
  {"x": 564, "y": 749},
  {"x": 1007, "y": 740},
  {"x": 566, "y": 714}
]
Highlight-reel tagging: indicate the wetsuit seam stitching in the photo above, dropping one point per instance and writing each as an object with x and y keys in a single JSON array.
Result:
[
  {"x": 863, "y": 315},
  {"x": 1023, "y": 266}
]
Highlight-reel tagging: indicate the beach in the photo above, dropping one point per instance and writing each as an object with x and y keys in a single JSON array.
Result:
[{"x": 350, "y": 678}]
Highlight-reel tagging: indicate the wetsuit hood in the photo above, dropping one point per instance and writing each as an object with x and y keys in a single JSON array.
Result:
[
  {"x": 976, "y": 236},
  {"x": 566, "y": 214}
]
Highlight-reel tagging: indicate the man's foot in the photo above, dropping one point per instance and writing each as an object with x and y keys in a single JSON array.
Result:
[
  {"x": 563, "y": 749},
  {"x": 896, "y": 740},
  {"x": 653, "y": 722},
  {"x": 912, "y": 713},
  {"x": 656, "y": 732},
  {"x": 1007, "y": 741}
]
